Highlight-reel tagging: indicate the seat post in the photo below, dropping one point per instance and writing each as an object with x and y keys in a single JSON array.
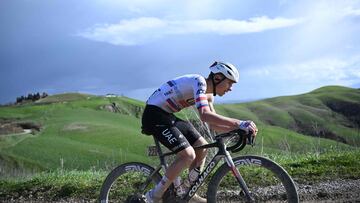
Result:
[{"x": 160, "y": 153}]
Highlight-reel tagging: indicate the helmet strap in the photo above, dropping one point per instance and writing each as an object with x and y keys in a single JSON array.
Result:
[{"x": 214, "y": 83}]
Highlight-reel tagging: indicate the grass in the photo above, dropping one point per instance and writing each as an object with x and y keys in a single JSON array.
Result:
[
  {"x": 74, "y": 135},
  {"x": 328, "y": 166},
  {"x": 54, "y": 185},
  {"x": 60, "y": 184}
]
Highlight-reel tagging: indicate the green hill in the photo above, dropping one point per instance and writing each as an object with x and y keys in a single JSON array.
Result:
[
  {"x": 79, "y": 131},
  {"x": 331, "y": 112}
]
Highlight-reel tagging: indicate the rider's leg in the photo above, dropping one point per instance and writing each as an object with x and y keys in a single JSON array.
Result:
[
  {"x": 198, "y": 164},
  {"x": 183, "y": 160},
  {"x": 195, "y": 139},
  {"x": 200, "y": 154}
]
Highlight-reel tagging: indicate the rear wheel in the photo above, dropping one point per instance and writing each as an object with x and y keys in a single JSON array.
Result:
[
  {"x": 127, "y": 183},
  {"x": 266, "y": 180}
]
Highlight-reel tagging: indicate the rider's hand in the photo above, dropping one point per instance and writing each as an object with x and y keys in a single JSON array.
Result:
[{"x": 249, "y": 126}]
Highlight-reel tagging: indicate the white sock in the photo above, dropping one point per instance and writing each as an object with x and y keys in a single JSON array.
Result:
[{"x": 161, "y": 187}]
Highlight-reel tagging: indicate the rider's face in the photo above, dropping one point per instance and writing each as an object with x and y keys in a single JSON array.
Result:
[{"x": 224, "y": 87}]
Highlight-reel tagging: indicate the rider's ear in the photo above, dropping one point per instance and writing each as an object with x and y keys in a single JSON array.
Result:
[{"x": 218, "y": 77}]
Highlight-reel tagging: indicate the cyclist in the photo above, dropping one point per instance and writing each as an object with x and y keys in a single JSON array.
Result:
[{"x": 178, "y": 135}]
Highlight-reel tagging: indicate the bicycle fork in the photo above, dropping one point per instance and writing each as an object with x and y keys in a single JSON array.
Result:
[{"x": 238, "y": 177}]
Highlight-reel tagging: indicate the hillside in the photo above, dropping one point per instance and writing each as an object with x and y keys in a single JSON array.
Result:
[
  {"x": 331, "y": 112},
  {"x": 78, "y": 131}
]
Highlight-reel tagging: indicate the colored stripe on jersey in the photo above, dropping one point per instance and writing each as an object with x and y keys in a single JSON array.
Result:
[
  {"x": 201, "y": 106},
  {"x": 173, "y": 105},
  {"x": 201, "y": 98}
]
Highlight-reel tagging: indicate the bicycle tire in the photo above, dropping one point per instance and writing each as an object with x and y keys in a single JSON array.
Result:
[
  {"x": 267, "y": 182},
  {"x": 122, "y": 183}
]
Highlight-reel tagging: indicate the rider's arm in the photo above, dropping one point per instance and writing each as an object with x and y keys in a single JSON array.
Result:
[
  {"x": 216, "y": 121},
  {"x": 221, "y": 123},
  {"x": 219, "y": 129},
  {"x": 210, "y": 98}
]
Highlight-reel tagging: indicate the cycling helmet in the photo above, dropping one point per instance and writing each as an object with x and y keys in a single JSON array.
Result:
[{"x": 227, "y": 69}]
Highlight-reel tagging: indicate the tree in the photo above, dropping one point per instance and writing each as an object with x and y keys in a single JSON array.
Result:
[
  {"x": 30, "y": 97},
  {"x": 36, "y": 96},
  {"x": 18, "y": 100}
]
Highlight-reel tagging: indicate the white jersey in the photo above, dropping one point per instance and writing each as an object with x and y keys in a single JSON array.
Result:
[{"x": 179, "y": 93}]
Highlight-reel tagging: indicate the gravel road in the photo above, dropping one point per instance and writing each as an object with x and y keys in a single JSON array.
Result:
[{"x": 329, "y": 191}]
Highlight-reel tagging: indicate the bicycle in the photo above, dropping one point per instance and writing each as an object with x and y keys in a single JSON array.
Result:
[{"x": 252, "y": 178}]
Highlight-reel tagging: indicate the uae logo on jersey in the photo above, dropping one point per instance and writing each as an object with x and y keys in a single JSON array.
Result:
[
  {"x": 168, "y": 92},
  {"x": 201, "y": 84},
  {"x": 200, "y": 92}
]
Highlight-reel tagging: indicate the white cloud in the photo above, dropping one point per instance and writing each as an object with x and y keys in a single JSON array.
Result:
[
  {"x": 330, "y": 28},
  {"x": 145, "y": 29},
  {"x": 349, "y": 11},
  {"x": 317, "y": 72},
  {"x": 127, "y": 32}
]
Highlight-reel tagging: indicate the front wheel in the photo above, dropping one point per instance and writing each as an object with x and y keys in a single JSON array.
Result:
[
  {"x": 128, "y": 183},
  {"x": 266, "y": 180}
]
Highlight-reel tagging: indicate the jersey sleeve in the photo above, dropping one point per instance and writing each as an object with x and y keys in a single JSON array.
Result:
[{"x": 200, "y": 92}]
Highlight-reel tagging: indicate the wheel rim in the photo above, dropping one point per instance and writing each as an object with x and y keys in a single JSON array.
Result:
[
  {"x": 266, "y": 181},
  {"x": 126, "y": 188}
]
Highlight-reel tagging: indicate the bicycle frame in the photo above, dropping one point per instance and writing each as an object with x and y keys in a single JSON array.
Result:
[{"x": 221, "y": 154}]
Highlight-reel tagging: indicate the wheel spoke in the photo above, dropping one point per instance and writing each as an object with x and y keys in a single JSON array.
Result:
[
  {"x": 124, "y": 183},
  {"x": 266, "y": 181}
]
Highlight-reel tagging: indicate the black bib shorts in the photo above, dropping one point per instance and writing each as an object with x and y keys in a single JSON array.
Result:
[{"x": 171, "y": 131}]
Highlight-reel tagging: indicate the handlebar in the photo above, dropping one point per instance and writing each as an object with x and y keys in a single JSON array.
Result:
[{"x": 244, "y": 138}]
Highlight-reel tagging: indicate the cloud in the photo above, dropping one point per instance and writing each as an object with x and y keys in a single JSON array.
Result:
[
  {"x": 146, "y": 29},
  {"x": 316, "y": 72},
  {"x": 349, "y": 11}
]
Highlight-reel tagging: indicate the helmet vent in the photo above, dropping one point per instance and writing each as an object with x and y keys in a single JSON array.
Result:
[
  {"x": 228, "y": 67},
  {"x": 214, "y": 64}
]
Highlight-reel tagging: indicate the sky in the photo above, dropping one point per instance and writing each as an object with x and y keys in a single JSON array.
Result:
[{"x": 130, "y": 48}]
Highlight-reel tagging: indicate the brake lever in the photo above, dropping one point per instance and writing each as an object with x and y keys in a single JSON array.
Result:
[{"x": 251, "y": 139}]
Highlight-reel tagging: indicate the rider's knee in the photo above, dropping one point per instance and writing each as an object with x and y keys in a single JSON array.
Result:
[
  {"x": 187, "y": 155},
  {"x": 204, "y": 152},
  {"x": 201, "y": 141}
]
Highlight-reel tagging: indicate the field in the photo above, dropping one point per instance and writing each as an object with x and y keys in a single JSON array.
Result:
[{"x": 81, "y": 137}]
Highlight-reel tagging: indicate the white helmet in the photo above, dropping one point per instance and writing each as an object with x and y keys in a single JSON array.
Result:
[{"x": 227, "y": 69}]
